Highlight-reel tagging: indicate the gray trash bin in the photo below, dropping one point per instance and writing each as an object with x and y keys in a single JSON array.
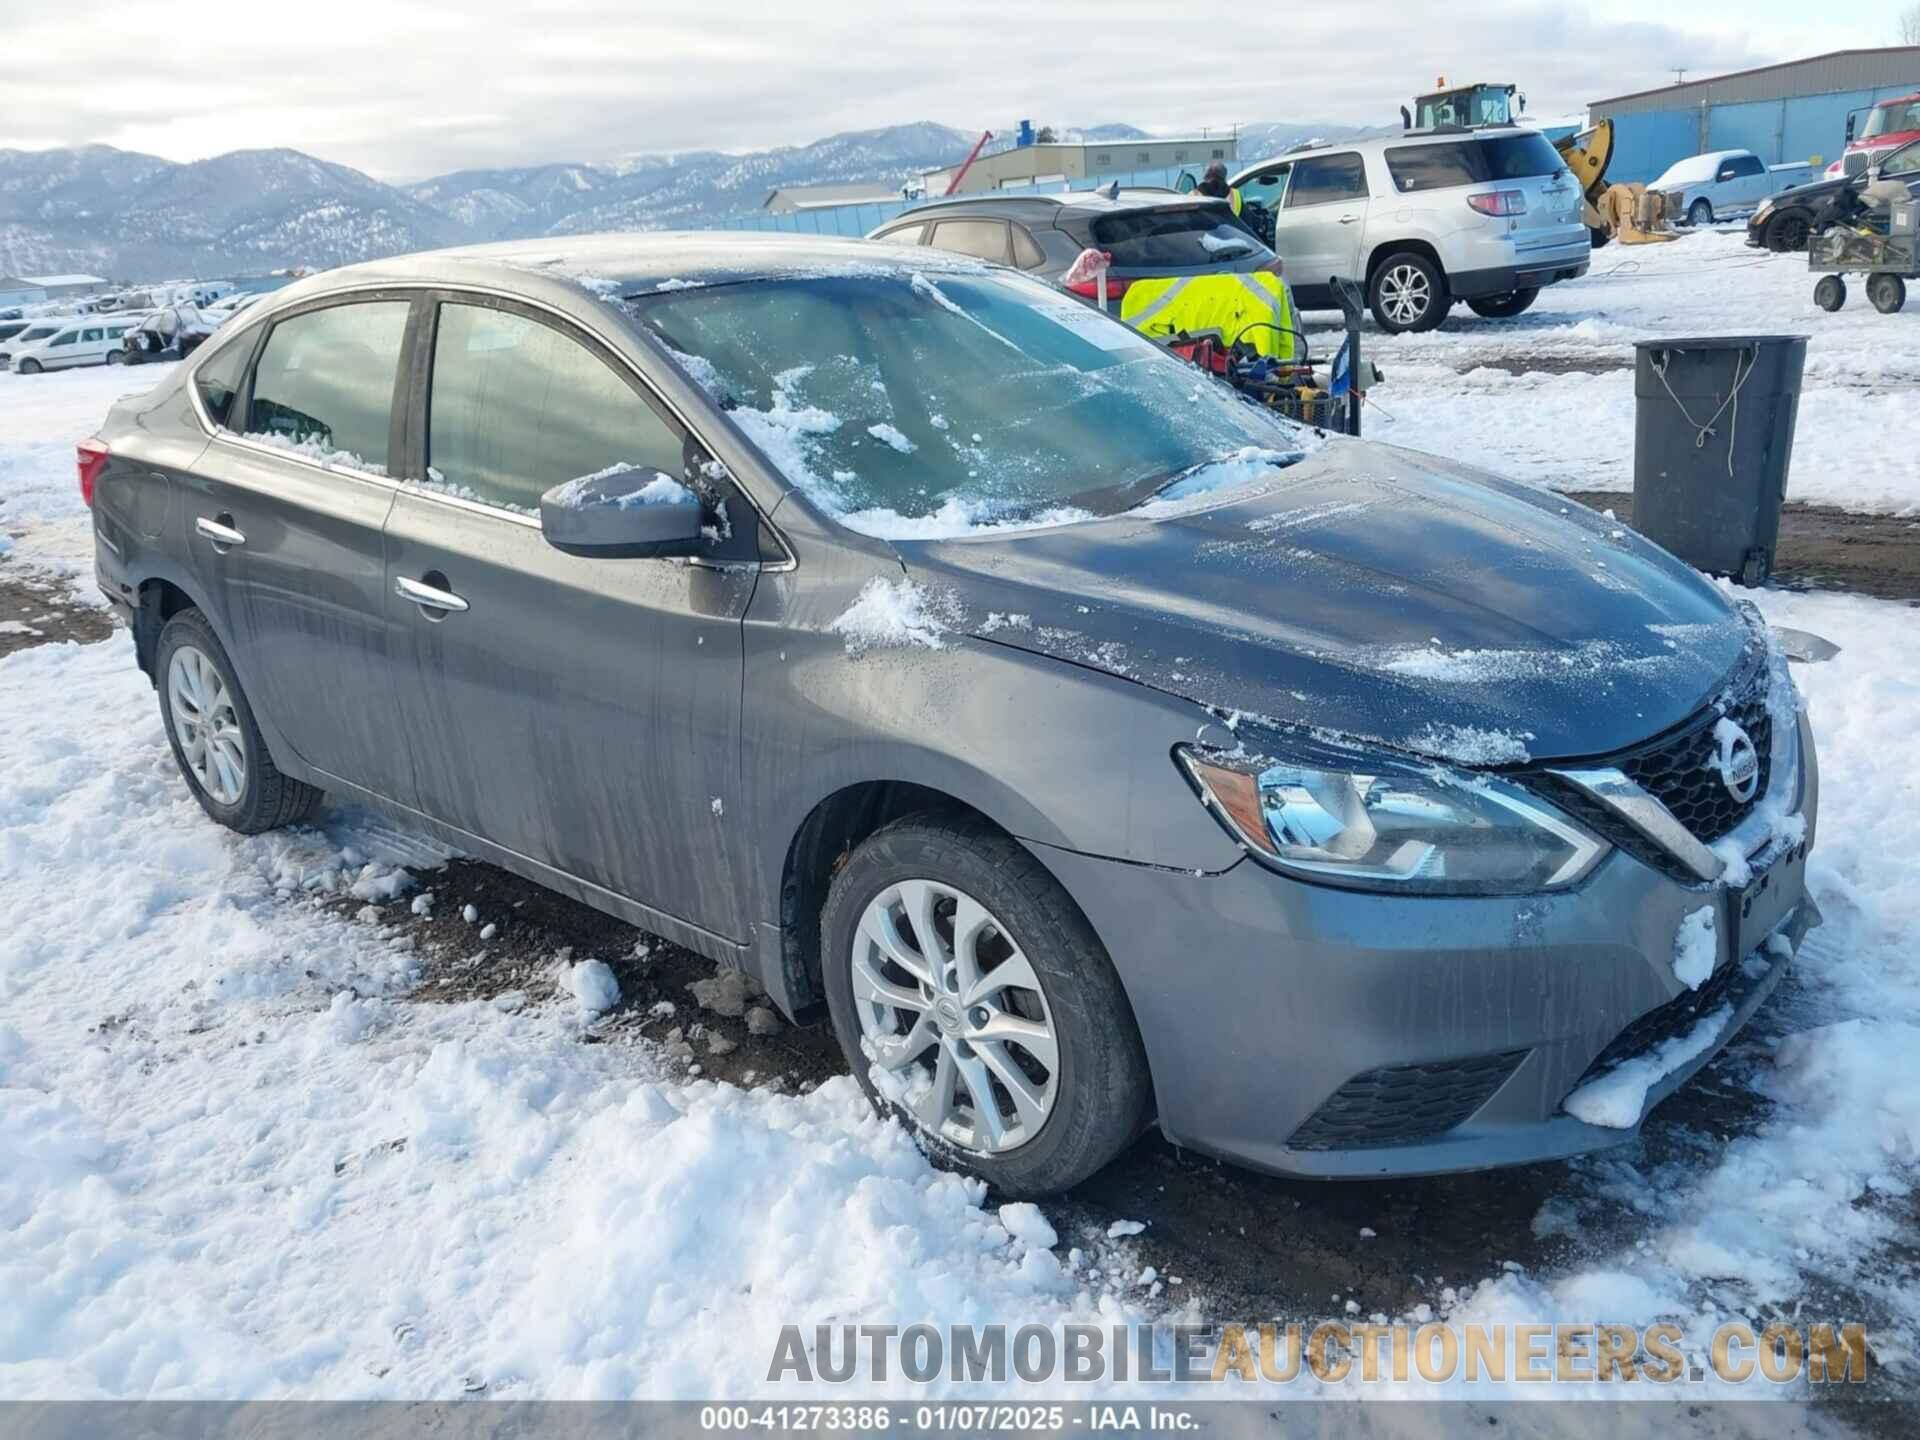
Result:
[{"x": 1712, "y": 434}]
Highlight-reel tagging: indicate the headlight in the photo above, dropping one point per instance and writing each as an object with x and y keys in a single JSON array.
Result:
[
  {"x": 1395, "y": 827},
  {"x": 1765, "y": 207}
]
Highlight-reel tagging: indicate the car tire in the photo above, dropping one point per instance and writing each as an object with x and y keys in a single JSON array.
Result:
[
  {"x": 1082, "y": 1109},
  {"x": 28, "y": 367},
  {"x": 1887, "y": 292},
  {"x": 1699, "y": 213},
  {"x": 116, "y": 357},
  {"x": 1830, "y": 292},
  {"x": 1788, "y": 232},
  {"x": 1599, "y": 235},
  {"x": 1503, "y": 307},
  {"x": 215, "y": 740},
  {"x": 1407, "y": 292}
]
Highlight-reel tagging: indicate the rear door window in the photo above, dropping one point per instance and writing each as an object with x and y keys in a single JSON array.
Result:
[
  {"x": 903, "y": 235},
  {"x": 516, "y": 407},
  {"x": 324, "y": 383},
  {"x": 1742, "y": 165},
  {"x": 218, "y": 379},
  {"x": 1179, "y": 236},
  {"x": 983, "y": 239},
  {"x": 1472, "y": 162},
  {"x": 1325, "y": 179}
]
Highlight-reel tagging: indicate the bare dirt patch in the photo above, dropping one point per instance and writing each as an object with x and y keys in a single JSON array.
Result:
[{"x": 35, "y": 610}]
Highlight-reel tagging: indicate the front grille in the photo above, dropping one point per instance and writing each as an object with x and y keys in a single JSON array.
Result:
[
  {"x": 1676, "y": 1017},
  {"x": 1677, "y": 770},
  {"x": 1404, "y": 1104}
]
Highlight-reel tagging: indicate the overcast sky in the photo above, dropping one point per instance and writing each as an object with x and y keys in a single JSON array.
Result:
[{"x": 403, "y": 89}]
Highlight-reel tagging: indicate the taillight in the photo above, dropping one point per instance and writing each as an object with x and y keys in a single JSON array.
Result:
[
  {"x": 1091, "y": 288},
  {"x": 1499, "y": 202},
  {"x": 91, "y": 458}
]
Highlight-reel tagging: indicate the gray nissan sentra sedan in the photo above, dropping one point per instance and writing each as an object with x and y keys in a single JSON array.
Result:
[{"x": 1091, "y": 746}]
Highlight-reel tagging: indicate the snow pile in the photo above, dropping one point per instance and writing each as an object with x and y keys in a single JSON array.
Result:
[
  {"x": 584, "y": 492},
  {"x": 1243, "y": 467},
  {"x": 318, "y": 451},
  {"x": 898, "y": 613},
  {"x": 1696, "y": 945},
  {"x": 1471, "y": 745},
  {"x": 955, "y": 519},
  {"x": 593, "y": 986},
  {"x": 1616, "y": 1098},
  {"x": 891, "y": 435}
]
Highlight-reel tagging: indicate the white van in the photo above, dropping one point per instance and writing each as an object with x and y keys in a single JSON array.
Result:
[{"x": 84, "y": 340}]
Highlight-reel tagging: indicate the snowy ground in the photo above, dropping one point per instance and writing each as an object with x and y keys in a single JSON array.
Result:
[
  {"x": 244, "y": 1152},
  {"x": 1453, "y": 391}
]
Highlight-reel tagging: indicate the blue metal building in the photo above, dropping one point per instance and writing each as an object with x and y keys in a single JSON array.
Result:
[{"x": 1795, "y": 111}]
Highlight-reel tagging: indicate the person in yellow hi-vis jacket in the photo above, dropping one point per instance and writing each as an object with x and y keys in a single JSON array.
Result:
[{"x": 1255, "y": 309}]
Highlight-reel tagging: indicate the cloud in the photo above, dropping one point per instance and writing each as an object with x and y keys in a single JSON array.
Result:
[{"x": 403, "y": 88}]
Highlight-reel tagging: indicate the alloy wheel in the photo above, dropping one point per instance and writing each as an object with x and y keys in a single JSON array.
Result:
[
  {"x": 1405, "y": 294},
  {"x": 952, "y": 1015},
  {"x": 206, "y": 725}
]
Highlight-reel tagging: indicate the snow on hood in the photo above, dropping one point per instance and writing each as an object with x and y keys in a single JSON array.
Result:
[{"x": 1374, "y": 594}]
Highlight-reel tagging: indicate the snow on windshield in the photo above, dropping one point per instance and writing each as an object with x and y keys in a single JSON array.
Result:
[{"x": 909, "y": 405}]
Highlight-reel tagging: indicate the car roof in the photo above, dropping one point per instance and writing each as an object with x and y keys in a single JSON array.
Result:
[
  {"x": 625, "y": 264},
  {"x": 1432, "y": 134},
  {"x": 1047, "y": 207}
]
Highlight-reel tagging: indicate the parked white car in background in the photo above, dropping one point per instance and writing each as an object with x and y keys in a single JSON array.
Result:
[
  {"x": 1422, "y": 219},
  {"x": 1703, "y": 188},
  {"x": 82, "y": 340}
]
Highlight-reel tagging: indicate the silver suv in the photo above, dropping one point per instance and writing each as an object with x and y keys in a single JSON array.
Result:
[{"x": 1424, "y": 218}]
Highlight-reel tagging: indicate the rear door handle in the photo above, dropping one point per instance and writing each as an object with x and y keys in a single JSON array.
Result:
[
  {"x": 223, "y": 536},
  {"x": 428, "y": 597},
  {"x": 1349, "y": 219}
]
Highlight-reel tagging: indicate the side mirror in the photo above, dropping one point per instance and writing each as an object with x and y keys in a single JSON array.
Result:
[
  {"x": 623, "y": 513},
  {"x": 1849, "y": 127}
]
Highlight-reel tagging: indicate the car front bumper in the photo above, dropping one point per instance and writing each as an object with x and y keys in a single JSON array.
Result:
[{"x": 1305, "y": 1030}]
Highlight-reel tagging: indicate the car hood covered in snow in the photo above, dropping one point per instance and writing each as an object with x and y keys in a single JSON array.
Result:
[{"x": 1372, "y": 592}]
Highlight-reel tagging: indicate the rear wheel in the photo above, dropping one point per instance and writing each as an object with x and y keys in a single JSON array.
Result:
[
  {"x": 1788, "y": 232},
  {"x": 974, "y": 1002},
  {"x": 1502, "y": 307},
  {"x": 1700, "y": 213},
  {"x": 1830, "y": 293},
  {"x": 116, "y": 357},
  {"x": 1408, "y": 293},
  {"x": 215, "y": 741},
  {"x": 1599, "y": 235},
  {"x": 1887, "y": 292}
]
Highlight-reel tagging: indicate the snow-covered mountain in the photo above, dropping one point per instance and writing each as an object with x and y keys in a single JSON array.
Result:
[{"x": 136, "y": 217}]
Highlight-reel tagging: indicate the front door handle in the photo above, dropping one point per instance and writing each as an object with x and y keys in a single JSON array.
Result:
[
  {"x": 220, "y": 532},
  {"x": 428, "y": 597}
]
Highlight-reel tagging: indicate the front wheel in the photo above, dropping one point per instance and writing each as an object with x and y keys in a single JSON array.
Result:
[
  {"x": 215, "y": 740},
  {"x": 28, "y": 367},
  {"x": 1830, "y": 293},
  {"x": 975, "y": 1003},
  {"x": 1788, "y": 232},
  {"x": 1503, "y": 307},
  {"x": 1408, "y": 293},
  {"x": 1700, "y": 213}
]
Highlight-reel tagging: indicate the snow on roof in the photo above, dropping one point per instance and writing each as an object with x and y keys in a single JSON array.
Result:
[
  {"x": 1693, "y": 169},
  {"x": 48, "y": 281}
]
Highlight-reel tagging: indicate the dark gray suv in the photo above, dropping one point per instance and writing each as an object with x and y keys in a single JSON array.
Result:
[{"x": 1088, "y": 744}]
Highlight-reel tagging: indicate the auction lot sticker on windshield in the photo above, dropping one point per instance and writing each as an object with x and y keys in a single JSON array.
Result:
[{"x": 1094, "y": 328}]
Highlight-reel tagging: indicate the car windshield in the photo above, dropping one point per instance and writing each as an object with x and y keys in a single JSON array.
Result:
[
  {"x": 955, "y": 399},
  {"x": 1892, "y": 119}
]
